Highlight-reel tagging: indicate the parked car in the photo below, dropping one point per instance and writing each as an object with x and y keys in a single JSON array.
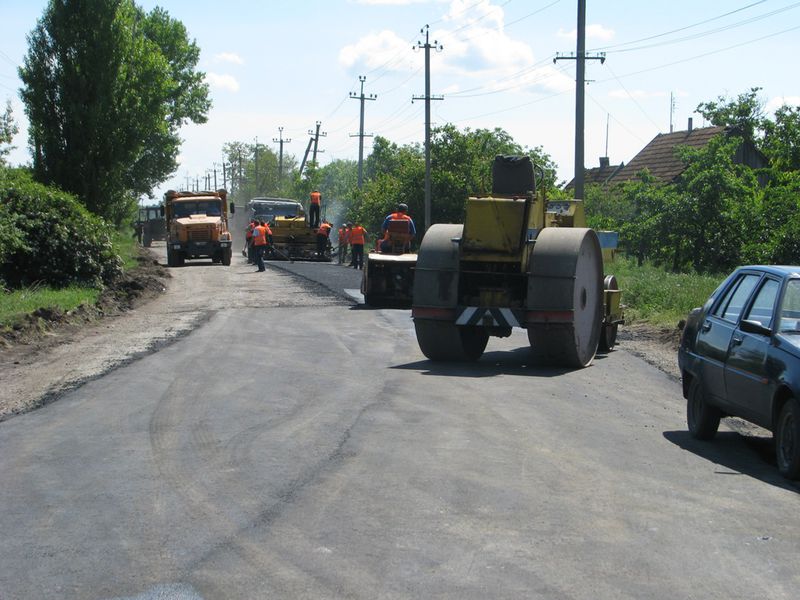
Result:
[{"x": 740, "y": 356}]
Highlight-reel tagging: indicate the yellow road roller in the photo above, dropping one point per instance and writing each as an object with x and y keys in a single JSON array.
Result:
[{"x": 515, "y": 262}]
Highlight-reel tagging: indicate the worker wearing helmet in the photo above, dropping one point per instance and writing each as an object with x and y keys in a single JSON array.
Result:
[
  {"x": 400, "y": 214},
  {"x": 314, "y": 209}
]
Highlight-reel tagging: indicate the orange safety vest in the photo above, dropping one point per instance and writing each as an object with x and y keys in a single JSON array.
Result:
[
  {"x": 357, "y": 235},
  {"x": 316, "y": 197},
  {"x": 260, "y": 235},
  {"x": 324, "y": 229},
  {"x": 249, "y": 233}
]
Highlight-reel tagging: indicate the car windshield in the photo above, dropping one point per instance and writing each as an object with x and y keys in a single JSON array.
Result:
[
  {"x": 790, "y": 308},
  {"x": 212, "y": 208}
]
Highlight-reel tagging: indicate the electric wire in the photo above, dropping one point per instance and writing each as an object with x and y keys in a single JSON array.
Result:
[{"x": 635, "y": 101}]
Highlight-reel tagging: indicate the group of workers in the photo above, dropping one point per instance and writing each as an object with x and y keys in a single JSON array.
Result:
[
  {"x": 352, "y": 235},
  {"x": 257, "y": 238}
]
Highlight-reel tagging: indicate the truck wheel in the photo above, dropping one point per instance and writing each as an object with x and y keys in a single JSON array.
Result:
[
  {"x": 147, "y": 241},
  {"x": 171, "y": 258},
  {"x": 227, "y": 253},
  {"x": 180, "y": 258}
]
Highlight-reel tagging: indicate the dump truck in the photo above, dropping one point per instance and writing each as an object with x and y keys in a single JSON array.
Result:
[
  {"x": 514, "y": 262},
  {"x": 293, "y": 239},
  {"x": 388, "y": 279},
  {"x": 197, "y": 226}
]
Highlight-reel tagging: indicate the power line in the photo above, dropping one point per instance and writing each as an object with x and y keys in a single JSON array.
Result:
[
  {"x": 636, "y": 102},
  {"x": 710, "y": 31}
]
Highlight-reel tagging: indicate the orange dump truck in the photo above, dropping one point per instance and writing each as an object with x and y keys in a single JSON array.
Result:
[{"x": 197, "y": 226}]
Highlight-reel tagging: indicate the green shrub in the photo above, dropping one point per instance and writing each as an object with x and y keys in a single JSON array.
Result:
[{"x": 49, "y": 237}]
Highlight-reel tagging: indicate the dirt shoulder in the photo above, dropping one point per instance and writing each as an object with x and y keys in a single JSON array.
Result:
[{"x": 152, "y": 307}]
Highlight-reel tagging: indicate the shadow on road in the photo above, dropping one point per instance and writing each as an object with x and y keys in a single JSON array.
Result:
[
  {"x": 736, "y": 454},
  {"x": 491, "y": 364}
]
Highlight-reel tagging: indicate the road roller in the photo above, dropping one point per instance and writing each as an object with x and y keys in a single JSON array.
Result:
[{"x": 516, "y": 261}]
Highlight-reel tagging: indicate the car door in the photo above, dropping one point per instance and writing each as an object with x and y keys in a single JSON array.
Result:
[
  {"x": 716, "y": 331},
  {"x": 746, "y": 382}
]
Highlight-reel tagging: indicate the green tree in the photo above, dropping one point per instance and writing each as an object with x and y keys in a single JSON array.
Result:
[
  {"x": 745, "y": 113},
  {"x": 8, "y": 129},
  {"x": 106, "y": 88},
  {"x": 782, "y": 139}
]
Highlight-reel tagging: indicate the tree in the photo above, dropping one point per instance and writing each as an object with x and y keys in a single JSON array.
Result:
[
  {"x": 782, "y": 139},
  {"x": 745, "y": 114},
  {"x": 8, "y": 129},
  {"x": 106, "y": 88}
]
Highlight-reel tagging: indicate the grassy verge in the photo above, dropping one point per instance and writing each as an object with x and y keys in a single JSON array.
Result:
[
  {"x": 17, "y": 303},
  {"x": 657, "y": 296}
]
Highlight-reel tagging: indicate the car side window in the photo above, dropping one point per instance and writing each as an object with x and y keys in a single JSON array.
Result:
[
  {"x": 764, "y": 303},
  {"x": 790, "y": 307},
  {"x": 734, "y": 300}
]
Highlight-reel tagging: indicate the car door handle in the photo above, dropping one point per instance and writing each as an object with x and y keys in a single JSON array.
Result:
[
  {"x": 737, "y": 340},
  {"x": 706, "y": 326}
]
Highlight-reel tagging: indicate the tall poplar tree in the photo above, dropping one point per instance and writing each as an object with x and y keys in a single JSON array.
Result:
[{"x": 106, "y": 88}]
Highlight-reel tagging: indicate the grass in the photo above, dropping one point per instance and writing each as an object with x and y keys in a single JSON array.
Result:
[
  {"x": 17, "y": 303},
  {"x": 659, "y": 297}
]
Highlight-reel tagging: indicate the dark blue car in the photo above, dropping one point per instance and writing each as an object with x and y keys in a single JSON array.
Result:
[{"x": 740, "y": 356}]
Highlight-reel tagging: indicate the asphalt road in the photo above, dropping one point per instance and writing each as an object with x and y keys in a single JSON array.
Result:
[{"x": 301, "y": 446}]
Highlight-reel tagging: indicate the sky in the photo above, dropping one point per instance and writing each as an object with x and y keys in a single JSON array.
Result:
[{"x": 287, "y": 64}]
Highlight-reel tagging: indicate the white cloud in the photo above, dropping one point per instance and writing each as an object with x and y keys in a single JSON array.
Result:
[
  {"x": 778, "y": 101},
  {"x": 228, "y": 57},
  {"x": 223, "y": 82},
  {"x": 593, "y": 32},
  {"x": 638, "y": 94},
  {"x": 377, "y": 49}
]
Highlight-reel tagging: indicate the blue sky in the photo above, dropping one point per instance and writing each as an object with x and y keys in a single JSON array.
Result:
[{"x": 289, "y": 64}]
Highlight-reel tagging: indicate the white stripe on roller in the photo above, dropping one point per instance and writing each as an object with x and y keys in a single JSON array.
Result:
[
  {"x": 511, "y": 320},
  {"x": 465, "y": 316}
]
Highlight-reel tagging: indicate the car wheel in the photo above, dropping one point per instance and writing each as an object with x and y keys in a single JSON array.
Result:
[
  {"x": 787, "y": 440},
  {"x": 702, "y": 418}
]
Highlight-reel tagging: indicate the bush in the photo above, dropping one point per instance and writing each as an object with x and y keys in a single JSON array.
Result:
[{"x": 47, "y": 236}]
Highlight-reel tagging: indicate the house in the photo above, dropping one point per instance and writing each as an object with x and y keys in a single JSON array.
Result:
[
  {"x": 601, "y": 174},
  {"x": 659, "y": 156}
]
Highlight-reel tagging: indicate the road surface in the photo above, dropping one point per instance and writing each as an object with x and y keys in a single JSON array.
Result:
[{"x": 298, "y": 445}]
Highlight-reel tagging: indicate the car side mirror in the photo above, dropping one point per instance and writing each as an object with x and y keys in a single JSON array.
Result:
[{"x": 749, "y": 326}]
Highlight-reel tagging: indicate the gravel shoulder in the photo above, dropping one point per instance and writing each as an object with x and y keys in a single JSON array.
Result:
[{"x": 158, "y": 306}]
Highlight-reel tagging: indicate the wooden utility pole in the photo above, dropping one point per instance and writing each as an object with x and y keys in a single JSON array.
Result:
[
  {"x": 427, "y": 97},
  {"x": 361, "y": 135},
  {"x": 580, "y": 93}
]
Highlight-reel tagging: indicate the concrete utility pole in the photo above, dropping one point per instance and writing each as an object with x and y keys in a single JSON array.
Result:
[
  {"x": 317, "y": 135},
  {"x": 305, "y": 156},
  {"x": 427, "y": 97},
  {"x": 580, "y": 93},
  {"x": 224, "y": 176},
  {"x": 281, "y": 142},
  {"x": 361, "y": 135}
]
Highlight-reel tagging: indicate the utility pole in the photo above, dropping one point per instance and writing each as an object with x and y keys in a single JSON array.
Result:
[
  {"x": 256, "y": 157},
  {"x": 215, "y": 175},
  {"x": 671, "y": 110},
  {"x": 225, "y": 177},
  {"x": 280, "y": 141},
  {"x": 305, "y": 156},
  {"x": 427, "y": 97},
  {"x": 580, "y": 93},
  {"x": 317, "y": 135},
  {"x": 361, "y": 135}
]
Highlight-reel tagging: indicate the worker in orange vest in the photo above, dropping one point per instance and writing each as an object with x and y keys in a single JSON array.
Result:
[
  {"x": 358, "y": 236},
  {"x": 323, "y": 233},
  {"x": 344, "y": 239},
  {"x": 398, "y": 215},
  {"x": 261, "y": 237},
  {"x": 314, "y": 208},
  {"x": 248, "y": 243}
]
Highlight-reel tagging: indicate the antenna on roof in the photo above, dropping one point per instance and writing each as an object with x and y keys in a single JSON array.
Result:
[{"x": 671, "y": 110}]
